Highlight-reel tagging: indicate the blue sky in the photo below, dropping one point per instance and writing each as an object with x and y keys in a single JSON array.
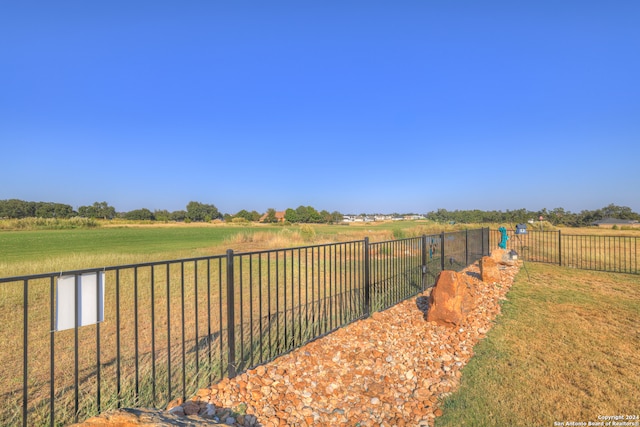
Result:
[{"x": 354, "y": 106}]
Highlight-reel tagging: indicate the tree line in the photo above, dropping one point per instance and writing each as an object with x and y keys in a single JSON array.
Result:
[
  {"x": 557, "y": 216},
  {"x": 194, "y": 212},
  {"x": 203, "y": 212}
]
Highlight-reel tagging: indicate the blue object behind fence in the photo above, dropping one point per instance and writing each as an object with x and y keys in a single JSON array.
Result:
[
  {"x": 504, "y": 238},
  {"x": 521, "y": 229}
]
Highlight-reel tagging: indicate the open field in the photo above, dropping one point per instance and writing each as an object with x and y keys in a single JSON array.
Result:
[
  {"x": 121, "y": 242},
  {"x": 564, "y": 349},
  {"x": 26, "y": 252}
]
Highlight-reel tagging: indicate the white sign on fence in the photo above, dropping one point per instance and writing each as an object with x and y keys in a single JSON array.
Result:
[{"x": 90, "y": 300}]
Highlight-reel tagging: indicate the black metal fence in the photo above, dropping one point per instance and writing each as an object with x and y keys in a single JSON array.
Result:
[
  {"x": 169, "y": 328},
  {"x": 616, "y": 254}
]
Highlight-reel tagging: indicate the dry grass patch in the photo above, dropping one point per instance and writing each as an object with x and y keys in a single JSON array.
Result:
[
  {"x": 600, "y": 231},
  {"x": 565, "y": 349}
]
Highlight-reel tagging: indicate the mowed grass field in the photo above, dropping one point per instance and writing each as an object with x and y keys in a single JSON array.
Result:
[
  {"x": 25, "y": 252},
  {"x": 38, "y": 251},
  {"x": 565, "y": 349}
]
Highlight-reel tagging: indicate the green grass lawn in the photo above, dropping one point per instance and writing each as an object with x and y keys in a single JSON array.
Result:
[
  {"x": 24, "y": 245},
  {"x": 566, "y": 348},
  {"x": 25, "y": 252},
  {"x": 38, "y": 251}
]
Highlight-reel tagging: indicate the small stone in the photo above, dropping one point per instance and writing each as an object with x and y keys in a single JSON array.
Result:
[
  {"x": 174, "y": 403},
  {"x": 178, "y": 410},
  {"x": 191, "y": 408},
  {"x": 375, "y": 401},
  {"x": 210, "y": 410}
]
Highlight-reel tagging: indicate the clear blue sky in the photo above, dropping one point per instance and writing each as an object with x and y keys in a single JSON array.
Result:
[{"x": 354, "y": 106}]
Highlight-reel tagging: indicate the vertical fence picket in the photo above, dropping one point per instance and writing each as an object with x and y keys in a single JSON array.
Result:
[
  {"x": 367, "y": 279},
  {"x": 52, "y": 326},
  {"x": 442, "y": 251},
  {"x": 560, "y": 248},
  {"x": 25, "y": 351},
  {"x": 231, "y": 338}
]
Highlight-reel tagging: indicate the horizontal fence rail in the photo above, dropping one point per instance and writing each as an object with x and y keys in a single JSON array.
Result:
[
  {"x": 82, "y": 342},
  {"x": 615, "y": 254}
]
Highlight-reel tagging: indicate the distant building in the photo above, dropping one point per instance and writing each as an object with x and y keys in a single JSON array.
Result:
[
  {"x": 610, "y": 222},
  {"x": 414, "y": 217}
]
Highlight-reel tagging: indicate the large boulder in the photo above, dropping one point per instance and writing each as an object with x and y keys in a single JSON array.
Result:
[
  {"x": 450, "y": 299},
  {"x": 489, "y": 270},
  {"x": 502, "y": 256}
]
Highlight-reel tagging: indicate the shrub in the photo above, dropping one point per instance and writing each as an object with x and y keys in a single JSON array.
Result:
[
  {"x": 398, "y": 234},
  {"x": 308, "y": 232},
  {"x": 48, "y": 223}
]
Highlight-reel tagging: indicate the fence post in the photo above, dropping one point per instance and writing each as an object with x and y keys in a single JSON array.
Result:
[
  {"x": 466, "y": 247},
  {"x": 482, "y": 242},
  {"x": 442, "y": 251},
  {"x": 25, "y": 351},
  {"x": 560, "y": 248},
  {"x": 424, "y": 261},
  {"x": 367, "y": 279},
  {"x": 231, "y": 333}
]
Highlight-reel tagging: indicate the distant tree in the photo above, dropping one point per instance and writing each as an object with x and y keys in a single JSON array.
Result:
[
  {"x": 161, "y": 215},
  {"x": 271, "y": 216},
  {"x": 53, "y": 210},
  {"x": 45, "y": 210},
  {"x": 308, "y": 214},
  {"x": 441, "y": 215},
  {"x": 97, "y": 210},
  {"x": 304, "y": 213},
  {"x": 291, "y": 215},
  {"x": 197, "y": 211},
  {"x": 619, "y": 212},
  {"x": 326, "y": 216},
  {"x": 143, "y": 214},
  {"x": 586, "y": 217},
  {"x": 63, "y": 211},
  {"x": 558, "y": 216},
  {"x": 178, "y": 216},
  {"x": 336, "y": 217},
  {"x": 14, "y": 208},
  {"x": 255, "y": 216},
  {"x": 249, "y": 216},
  {"x": 244, "y": 214},
  {"x": 313, "y": 216}
]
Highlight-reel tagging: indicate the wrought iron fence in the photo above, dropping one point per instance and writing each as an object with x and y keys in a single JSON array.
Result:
[
  {"x": 616, "y": 254},
  {"x": 166, "y": 329}
]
